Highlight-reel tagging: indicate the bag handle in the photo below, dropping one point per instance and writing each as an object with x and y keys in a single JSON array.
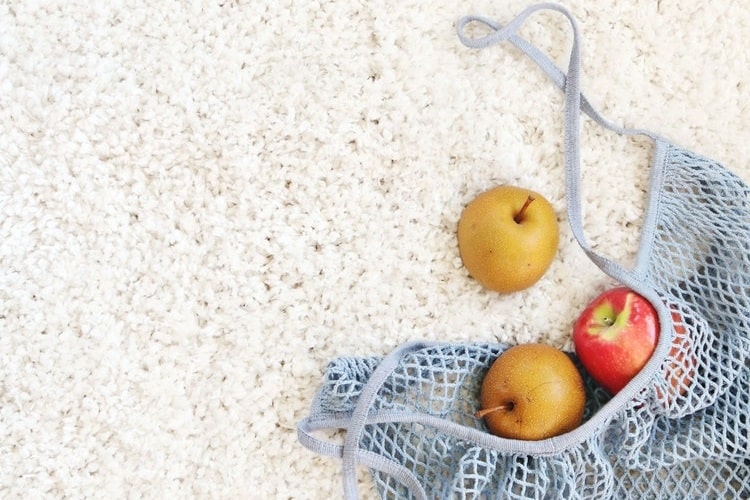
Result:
[
  {"x": 575, "y": 102},
  {"x": 354, "y": 424}
]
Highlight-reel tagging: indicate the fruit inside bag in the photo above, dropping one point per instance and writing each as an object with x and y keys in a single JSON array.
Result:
[
  {"x": 679, "y": 429},
  {"x": 421, "y": 422}
]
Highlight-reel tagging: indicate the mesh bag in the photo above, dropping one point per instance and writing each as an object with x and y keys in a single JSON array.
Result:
[{"x": 679, "y": 429}]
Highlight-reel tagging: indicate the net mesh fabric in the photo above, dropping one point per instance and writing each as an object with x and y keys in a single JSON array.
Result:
[
  {"x": 444, "y": 381},
  {"x": 685, "y": 434},
  {"x": 700, "y": 260}
]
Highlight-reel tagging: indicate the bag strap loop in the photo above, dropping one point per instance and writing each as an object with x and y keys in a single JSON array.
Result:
[{"x": 575, "y": 102}]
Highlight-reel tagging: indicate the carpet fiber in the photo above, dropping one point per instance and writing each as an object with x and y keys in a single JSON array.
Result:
[{"x": 202, "y": 203}]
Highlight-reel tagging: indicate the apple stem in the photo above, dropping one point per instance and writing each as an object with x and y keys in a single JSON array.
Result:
[
  {"x": 519, "y": 216},
  {"x": 482, "y": 413}
]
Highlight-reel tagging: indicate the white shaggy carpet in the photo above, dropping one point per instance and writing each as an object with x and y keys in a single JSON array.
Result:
[{"x": 203, "y": 202}]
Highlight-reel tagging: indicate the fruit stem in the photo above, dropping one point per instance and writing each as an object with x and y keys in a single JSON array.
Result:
[
  {"x": 482, "y": 413},
  {"x": 519, "y": 216}
]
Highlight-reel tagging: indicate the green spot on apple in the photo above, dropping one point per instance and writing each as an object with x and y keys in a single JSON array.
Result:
[{"x": 607, "y": 322}]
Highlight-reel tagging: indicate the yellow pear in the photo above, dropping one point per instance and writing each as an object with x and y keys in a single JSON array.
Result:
[
  {"x": 532, "y": 392},
  {"x": 507, "y": 238}
]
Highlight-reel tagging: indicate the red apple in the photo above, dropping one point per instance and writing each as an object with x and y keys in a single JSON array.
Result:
[{"x": 615, "y": 336}]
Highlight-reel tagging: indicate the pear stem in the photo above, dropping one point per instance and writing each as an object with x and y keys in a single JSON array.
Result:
[
  {"x": 519, "y": 216},
  {"x": 482, "y": 413}
]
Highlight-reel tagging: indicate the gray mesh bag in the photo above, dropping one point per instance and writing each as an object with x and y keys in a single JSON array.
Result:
[{"x": 408, "y": 416}]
